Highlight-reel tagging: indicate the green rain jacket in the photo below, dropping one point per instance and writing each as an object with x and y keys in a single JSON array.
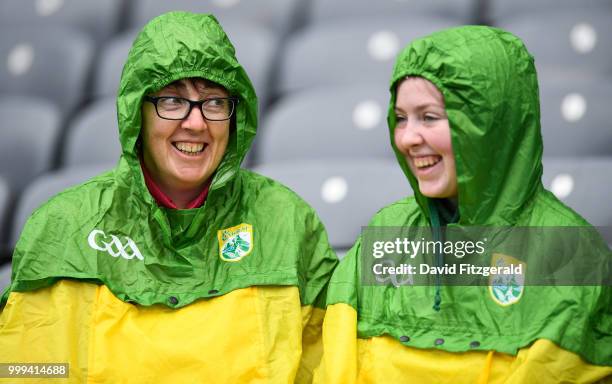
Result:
[
  {"x": 124, "y": 290},
  {"x": 389, "y": 334}
]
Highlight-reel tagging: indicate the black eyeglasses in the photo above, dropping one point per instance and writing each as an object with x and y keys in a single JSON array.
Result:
[{"x": 178, "y": 108}]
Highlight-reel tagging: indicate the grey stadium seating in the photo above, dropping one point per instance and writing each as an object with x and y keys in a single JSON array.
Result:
[
  {"x": 29, "y": 132},
  {"x": 349, "y": 52},
  {"x": 45, "y": 187},
  {"x": 5, "y": 276},
  {"x": 325, "y": 11},
  {"x": 4, "y": 209},
  {"x": 48, "y": 62},
  {"x": 576, "y": 118},
  {"x": 99, "y": 19},
  {"x": 584, "y": 184},
  {"x": 323, "y": 123},
  {"x": 109, "y": 66},
  {"x": 277, "y": 15},
  {"x": 345, "y": 194},
  {"x": 256, "y": 49},
  {"x": 576, "y": 41},
  {"x": 501, "y": 10},
  {"x": 93, "y": 136}
]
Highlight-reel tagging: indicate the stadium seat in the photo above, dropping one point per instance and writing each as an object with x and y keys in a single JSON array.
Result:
[
  {"x": 256, "y": 49},
  {"x": 45, "y": 187},
  {"x": 501, "y": 10},
  {"x": 107, "y": 71},
  {"x": 576, "y": 41},
  {"x": 345, "y": 194},
  {"x": 324, "y": 123},
  {"x": 330, "y": 11},
  {"x": 99, "y": 19},
  {"x": 49, "y": 62},
  {"x": 93, "y": 136},
  {"x": 29, "y": 132},
  {"x": 349, "y": 52},
  {"x": 5, "y": 276},
  {"x": 584, "y": 184},
  {"x": 276, "y": 15},
  {"x": 576, "y": 116},
  {"x": 4, "y": 212}
]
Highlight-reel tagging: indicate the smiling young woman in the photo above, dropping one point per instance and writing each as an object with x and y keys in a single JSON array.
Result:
[
  {"x": 464, "y": 124},
  {"x": 423, "y": 136}
]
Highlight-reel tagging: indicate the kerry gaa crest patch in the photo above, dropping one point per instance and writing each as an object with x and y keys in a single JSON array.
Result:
[
  {"x": 507, "y": 289},
  {"x": 235, "y": 242}
]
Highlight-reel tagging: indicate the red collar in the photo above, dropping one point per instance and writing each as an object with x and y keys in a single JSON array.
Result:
[{"x": 164, "y": 200}]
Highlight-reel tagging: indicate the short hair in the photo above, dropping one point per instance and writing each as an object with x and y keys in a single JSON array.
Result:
[{"x": 198, "y": 82}]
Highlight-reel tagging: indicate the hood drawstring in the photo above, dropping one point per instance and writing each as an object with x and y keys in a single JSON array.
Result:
[
  {"x": 440, "y": 215},
  {"x": 437, "y": 236}
]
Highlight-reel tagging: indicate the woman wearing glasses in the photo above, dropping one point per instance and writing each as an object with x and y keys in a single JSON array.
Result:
[{"x": 177, "y": 266}]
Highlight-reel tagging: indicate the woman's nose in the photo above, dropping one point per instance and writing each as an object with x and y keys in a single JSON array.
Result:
[
  {"x": 195, "y": 119},
  {"x": 409, "y": 136}
]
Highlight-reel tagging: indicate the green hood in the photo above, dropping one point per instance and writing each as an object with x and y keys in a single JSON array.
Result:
[
  {"x": 493, "y": 110},
  {"x": 177, "y": 45}
]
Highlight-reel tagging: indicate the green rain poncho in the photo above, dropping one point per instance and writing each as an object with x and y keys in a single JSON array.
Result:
[
  {"x": 127, "y": 291},
  {"x": 389, "y": 334}
]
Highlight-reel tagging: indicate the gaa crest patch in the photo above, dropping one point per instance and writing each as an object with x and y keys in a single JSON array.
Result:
[
  {"x": 507, "y": 288},
  {"x": 235, "y": 242}
]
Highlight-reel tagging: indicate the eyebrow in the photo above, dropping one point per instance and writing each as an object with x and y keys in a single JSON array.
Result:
[
  {"x": 208, "y": 87},
  {"x": 421, "y": 107}
]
